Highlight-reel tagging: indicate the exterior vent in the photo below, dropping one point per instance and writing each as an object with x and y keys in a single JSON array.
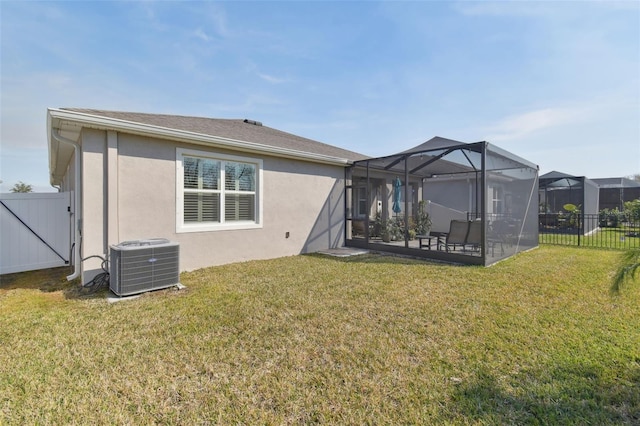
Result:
[
  {"x": 255, "y": 123},
  {"x": 143, "y": 265}
]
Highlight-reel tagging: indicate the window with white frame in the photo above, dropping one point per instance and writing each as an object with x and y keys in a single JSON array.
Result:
[
  {"x": 361, "y": 201},
  {"x": 217, "y": 191},
  {"x": 496, "y": 199}
]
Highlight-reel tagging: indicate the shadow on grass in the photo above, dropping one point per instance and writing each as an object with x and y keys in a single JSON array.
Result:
[
  {"x": 49, "y": 281},
  {"x": 567, "y": 395},
  {"x": 374, "y": 257}
]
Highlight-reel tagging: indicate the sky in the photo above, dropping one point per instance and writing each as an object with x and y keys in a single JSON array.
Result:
[{"x": 557, "y": 83}]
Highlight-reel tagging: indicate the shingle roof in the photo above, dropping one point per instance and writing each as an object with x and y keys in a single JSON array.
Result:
[{"x": 236, "y": 129}]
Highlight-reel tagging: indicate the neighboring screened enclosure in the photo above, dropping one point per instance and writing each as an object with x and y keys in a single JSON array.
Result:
[
  {"x": 471, "y": 203},
  {"x": 563, "y": 198}
]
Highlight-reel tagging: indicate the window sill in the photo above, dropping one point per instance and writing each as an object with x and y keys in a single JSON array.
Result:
[{"x": 217, "y": 227}]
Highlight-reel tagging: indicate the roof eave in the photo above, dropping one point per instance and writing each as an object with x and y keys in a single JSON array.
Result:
[{"x": 106, "y": 123}]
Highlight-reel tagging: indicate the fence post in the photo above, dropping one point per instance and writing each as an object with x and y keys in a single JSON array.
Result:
[{"x": 580, "y": 226}]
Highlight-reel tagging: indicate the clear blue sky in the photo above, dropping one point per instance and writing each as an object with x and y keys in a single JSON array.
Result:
[{"x": 557, "y": 83}]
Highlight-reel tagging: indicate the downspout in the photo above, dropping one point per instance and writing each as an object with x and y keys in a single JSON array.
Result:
[{"x": 77, "y": 262}]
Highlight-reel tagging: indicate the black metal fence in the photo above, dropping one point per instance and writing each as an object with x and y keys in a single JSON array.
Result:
[{"x": 590, "y": 230}]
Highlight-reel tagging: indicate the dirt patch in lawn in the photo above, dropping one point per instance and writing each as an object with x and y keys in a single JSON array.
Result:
[
  {"x": 53, "y": 279},
  {"x": 47, "y": 281}
]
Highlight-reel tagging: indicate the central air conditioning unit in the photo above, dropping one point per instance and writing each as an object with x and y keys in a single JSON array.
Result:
[{"x": 143, "y": 265}]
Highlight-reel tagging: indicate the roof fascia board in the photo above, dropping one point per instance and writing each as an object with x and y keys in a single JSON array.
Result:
[{"x": 106, "y": 123}]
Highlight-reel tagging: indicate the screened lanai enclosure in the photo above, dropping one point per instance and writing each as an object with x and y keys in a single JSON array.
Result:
[{"x": 470, "y": 203}]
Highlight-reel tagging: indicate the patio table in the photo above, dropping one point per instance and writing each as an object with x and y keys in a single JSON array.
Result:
[{"x": 440, "y": 238}]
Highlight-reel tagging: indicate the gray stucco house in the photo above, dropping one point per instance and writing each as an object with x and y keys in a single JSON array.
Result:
[{"x": 225, "y": 190}]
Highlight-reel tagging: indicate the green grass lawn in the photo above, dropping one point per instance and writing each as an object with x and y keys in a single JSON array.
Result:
[{"x": 536, "y": 339}]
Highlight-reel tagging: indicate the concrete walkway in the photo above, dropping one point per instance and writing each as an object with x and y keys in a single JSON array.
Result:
[{"x": 343, "y": 251}]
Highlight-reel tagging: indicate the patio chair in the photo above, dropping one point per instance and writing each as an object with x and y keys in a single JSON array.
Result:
[
  {"x": 498, "y": 235},
  {"x": 457, "y": 236},
  {"x": 474, "y": 236},
  {"x": 465, "y": 234}
]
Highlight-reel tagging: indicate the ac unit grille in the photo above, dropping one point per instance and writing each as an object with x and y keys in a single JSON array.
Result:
[{"x": 144, "y": 265}]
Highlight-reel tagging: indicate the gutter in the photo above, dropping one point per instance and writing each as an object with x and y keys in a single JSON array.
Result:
[{"x": 76, "y": 203}]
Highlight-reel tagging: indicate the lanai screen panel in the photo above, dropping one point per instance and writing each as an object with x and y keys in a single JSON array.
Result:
[
  {"x": 430, "y": 163},
  {"x": 454, "y": 192},
  {"x": 511, "y": 204}
]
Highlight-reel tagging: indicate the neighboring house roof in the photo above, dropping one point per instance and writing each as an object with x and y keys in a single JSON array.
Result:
[
  {"x": 618, "y": 182},
  {"x": 246, "y": 135}
]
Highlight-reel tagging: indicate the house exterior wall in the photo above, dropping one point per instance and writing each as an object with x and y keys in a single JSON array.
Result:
[
  {"x": 459, "y": 195},
  {"x": 129, "y": 193},
  {"x": 92, "y": 212}
]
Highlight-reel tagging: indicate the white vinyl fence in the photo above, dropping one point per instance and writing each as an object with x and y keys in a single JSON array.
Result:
[{"x": 35, "y": 231}]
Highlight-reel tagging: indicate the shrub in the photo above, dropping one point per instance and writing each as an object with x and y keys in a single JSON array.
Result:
[
  {"x": 423, "y": 221},
  {"x": 632, "y": 209}
]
